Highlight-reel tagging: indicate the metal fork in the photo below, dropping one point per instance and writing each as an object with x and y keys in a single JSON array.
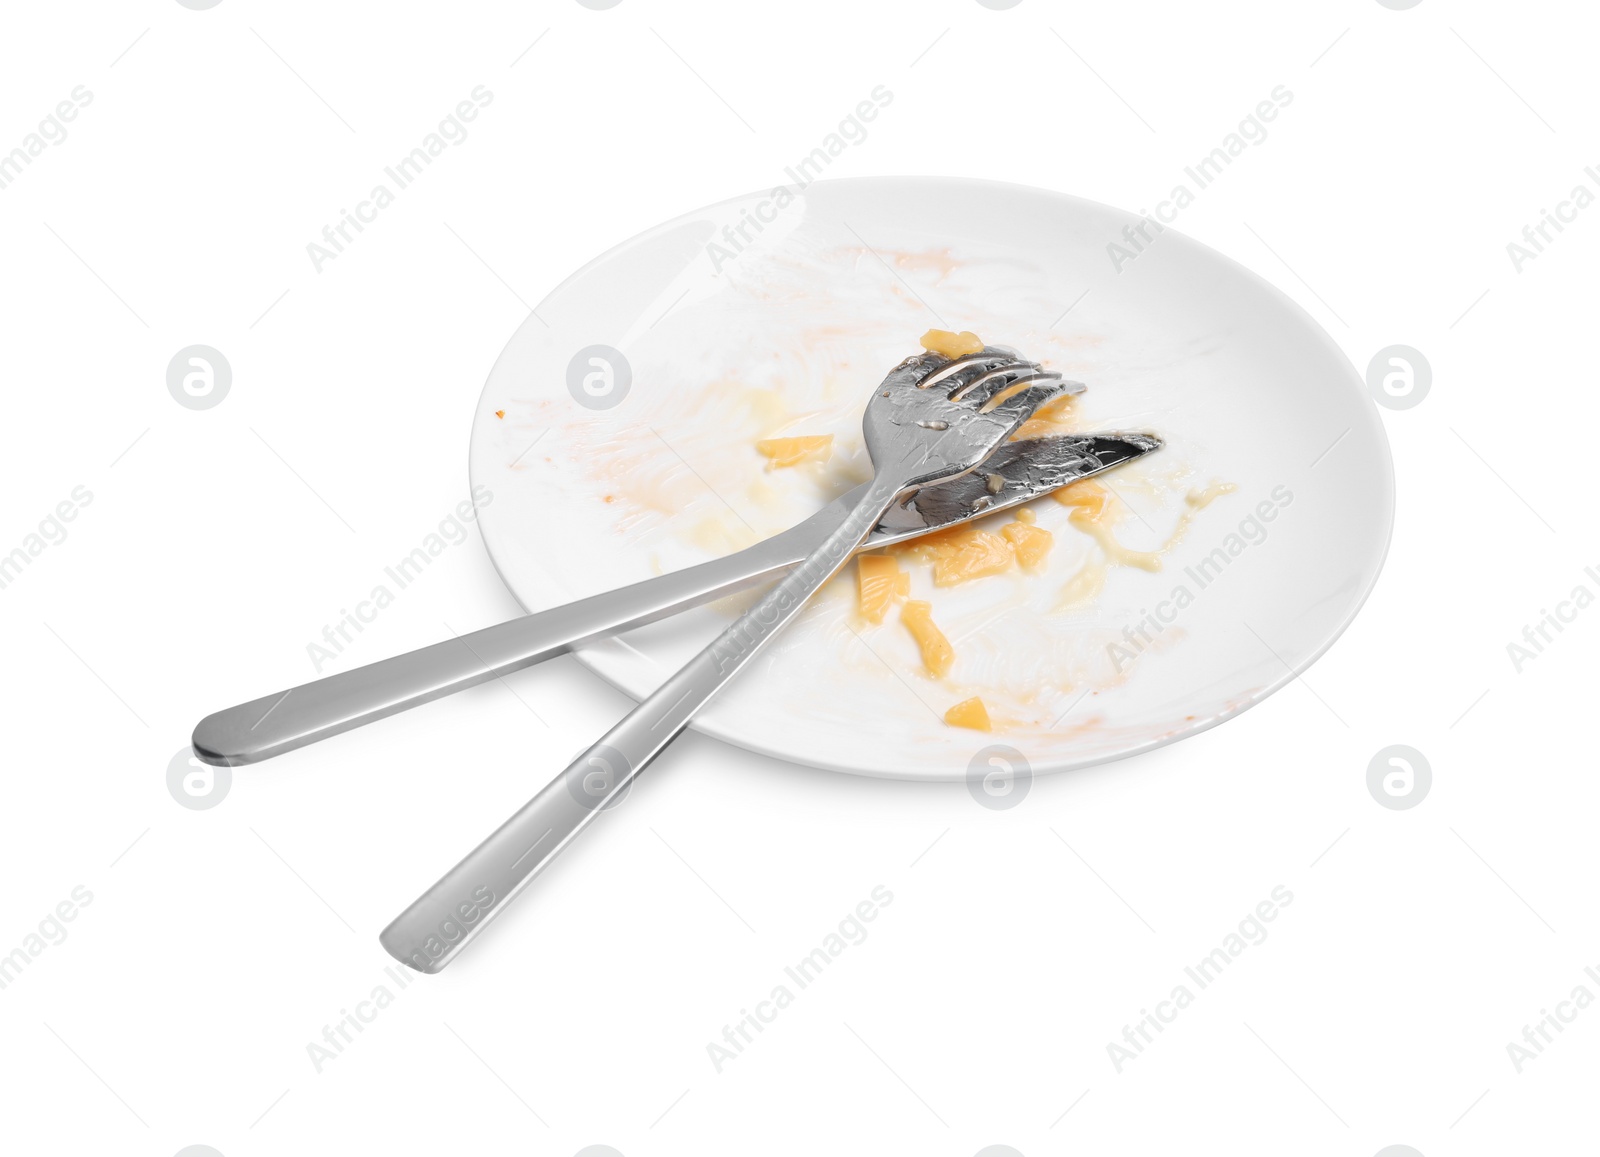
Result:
[{"x": 932, "y": 419}]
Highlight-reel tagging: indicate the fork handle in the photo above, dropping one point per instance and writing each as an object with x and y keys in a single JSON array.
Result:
[{"x": 428, "y": 934}]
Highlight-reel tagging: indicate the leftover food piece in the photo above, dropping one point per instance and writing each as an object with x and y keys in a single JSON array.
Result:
[
  {"x": 499, "y": 413},
  {"x": 1086, "y": 496},
  {"x": 792, "y": 451},
  {"x": 952, "y": 345},
  {"x": 1031, "y": 543},
  {"x": 961, "y": 554},
  {"x": 879, "y": 580},
  {"x": 1054, "y": 417},
  {"x": 937, "y": 653},
  {"x": 969, "y": 713},
  {"x": 970, "y": 555}
]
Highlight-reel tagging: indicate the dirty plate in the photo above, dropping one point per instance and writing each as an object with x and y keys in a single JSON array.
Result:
[{"x": 617, "y": 439}]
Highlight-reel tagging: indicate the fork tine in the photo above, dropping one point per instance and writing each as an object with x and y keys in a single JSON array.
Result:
[
  {"x": 962, "y": 364},
  {"x": 984, "y": 385},
  {"x": 986, "y": 390},
  {"x": 1024, "y": 397}
]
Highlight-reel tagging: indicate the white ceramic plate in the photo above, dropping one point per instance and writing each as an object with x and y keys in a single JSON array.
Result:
[{"x": 759, "y": 318}]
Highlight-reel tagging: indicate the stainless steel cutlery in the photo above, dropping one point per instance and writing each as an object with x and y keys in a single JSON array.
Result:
[{"x": 938, "y": 431}]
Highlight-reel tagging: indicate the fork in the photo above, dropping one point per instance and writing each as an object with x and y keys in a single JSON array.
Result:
[{"x": 931, "y": 420}]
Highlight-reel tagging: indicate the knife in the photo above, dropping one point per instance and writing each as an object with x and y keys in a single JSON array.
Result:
[{"x": 262, "y": 728}]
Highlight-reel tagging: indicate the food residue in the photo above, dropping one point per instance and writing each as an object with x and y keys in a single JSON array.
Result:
[
  {"x": 1031, "y": 543},
  {"x": 1084, "y": 586},
  {"x": 879, "y": 580},
  {"x": 937, "y": 653},
  {"x": 952, "y": 345},
  {"x": 792, "y": 451},
  {"x": 499, "y": 413},
  {"x": 964, "y": 553},
  {"x": 1094, "y": 511},
  {"x": 969, "y": 713},
  {"x": 1200, "y": 499},
  {"x": 1054, "y": 417},
  {"x": 971, "y": 554}
]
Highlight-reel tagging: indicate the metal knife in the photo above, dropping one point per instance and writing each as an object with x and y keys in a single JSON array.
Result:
[{"x": 262, "y": 728}]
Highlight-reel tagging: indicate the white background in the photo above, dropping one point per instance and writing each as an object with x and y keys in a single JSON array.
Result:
[{"x": 219, "y": 943}]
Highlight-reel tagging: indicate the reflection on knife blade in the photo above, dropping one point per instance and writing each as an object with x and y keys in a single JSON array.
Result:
[{"x": 1018, "y": 472}]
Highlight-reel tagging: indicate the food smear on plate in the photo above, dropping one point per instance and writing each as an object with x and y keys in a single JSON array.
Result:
[
  {"x": 937, "y": 653},
  {"x": 1095, "y": 510},
  {"x": 1084, "y": 586},
  {"x": 952, "y": 345},
  {"x": 781, "y": 452},
  {"x": 879, "y": 581},
  {"x": 1200, "y": 499},
  {"x": 969, "y": 713}
]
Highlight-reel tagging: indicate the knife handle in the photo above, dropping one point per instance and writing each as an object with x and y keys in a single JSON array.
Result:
[{"x": 285, "y": 720}]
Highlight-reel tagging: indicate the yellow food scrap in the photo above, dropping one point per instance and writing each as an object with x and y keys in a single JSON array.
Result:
[
  {"x": 499, "y": 413},
  {"x": 1088, "y": 500},
  {"x": 937, "y": 653},
  {"x": 879, "y": 580},
  {"x": 969, "y": 713},
  {"x": 930, "y": 546},
  {"x": 960, "y": 554},
  {"x": 1026, "y": 514},
  {"x": 1031, "y": 543},
  {"x": 952, "y": 345},
  {"x": 971, "y": 555},
  {"x": 791, "y": 451},
  {"x": 1054, "y": 417}
]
